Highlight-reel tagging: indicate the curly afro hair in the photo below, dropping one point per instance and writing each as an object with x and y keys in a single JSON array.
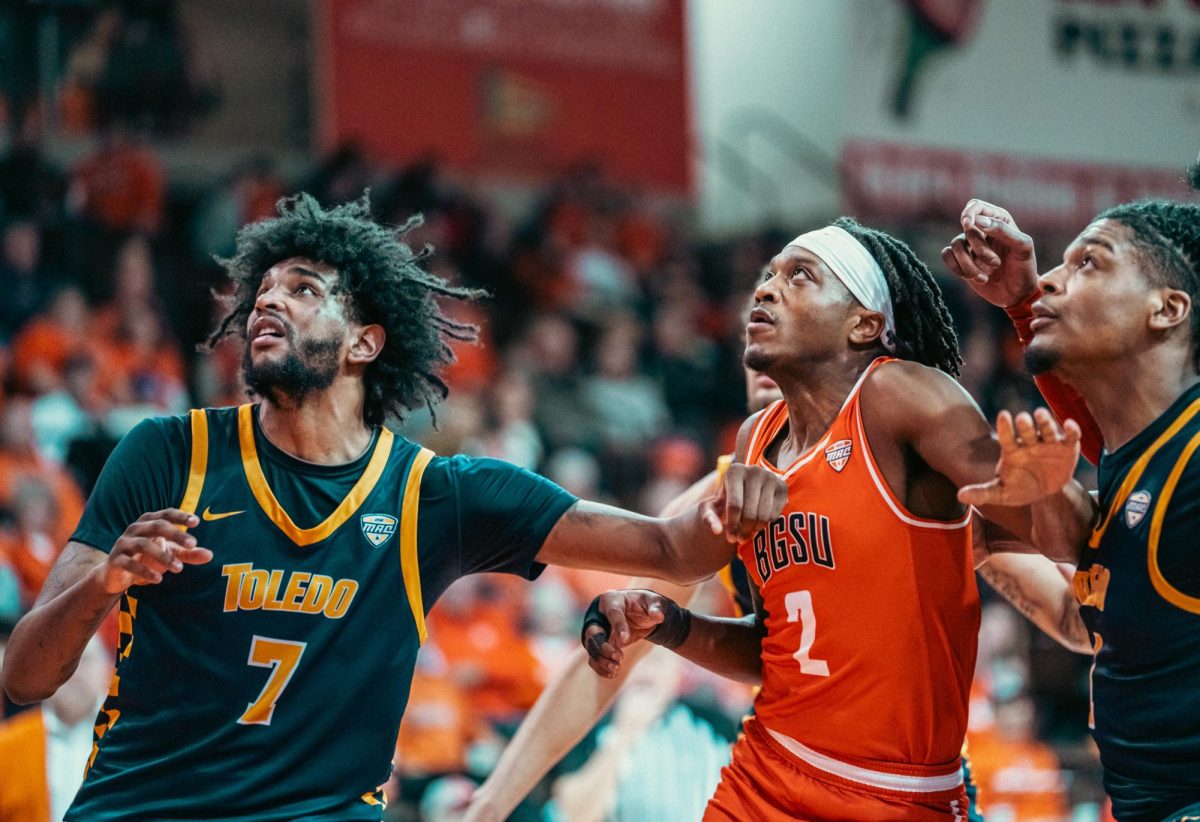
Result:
[{"x": 382, "y": 282}]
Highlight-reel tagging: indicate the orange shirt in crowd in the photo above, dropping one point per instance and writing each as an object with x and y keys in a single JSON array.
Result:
[
  {"x": 123, "y": 187},
  {"x": 68, "y": 499},
  {"x": 1019, "y": 779},
  {"x": 437, "y": 727},
  {"x": 24, "y": 790},
  {"x": 44, "y": 346},
  {"x": 489, "y": 658}
]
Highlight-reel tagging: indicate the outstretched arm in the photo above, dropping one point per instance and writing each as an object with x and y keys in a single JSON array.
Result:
[
  {"x": 1041, "y": 590},
  {"x": 571, "y": 704},
  {"x": 685, "y": 548},
  {"x": 996, "y": 259}
]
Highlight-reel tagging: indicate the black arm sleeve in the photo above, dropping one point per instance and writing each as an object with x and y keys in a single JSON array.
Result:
[{"x": 146, "y": 472}]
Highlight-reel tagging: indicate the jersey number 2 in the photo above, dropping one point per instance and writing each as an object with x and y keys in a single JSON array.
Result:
[
  {"x": 281, "y": 656},
  {"x": 800, "y": 609}
]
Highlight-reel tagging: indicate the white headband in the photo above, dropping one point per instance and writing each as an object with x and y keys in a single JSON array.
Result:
[{"x": 850, "y": 261}]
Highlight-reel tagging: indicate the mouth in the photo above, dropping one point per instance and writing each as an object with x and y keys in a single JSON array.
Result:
[
  {"x": 1042, "y": 317},
  {"x": 760, "y": 319},
  {"x": 266, "y": 330},
  {"x": 765, "y": 383}
]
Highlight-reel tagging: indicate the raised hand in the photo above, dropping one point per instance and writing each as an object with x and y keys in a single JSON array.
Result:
[
  {"x": 749, "y": 499},
  {"x": 154, "y": 545},
  {"x": 631, "y": 615},
  {"x": 992, "y": 255},
  {"x": 1037, "y": 459}
]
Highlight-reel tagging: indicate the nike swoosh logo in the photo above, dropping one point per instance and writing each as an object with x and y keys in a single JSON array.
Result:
[{"x": 209, "y": 516}]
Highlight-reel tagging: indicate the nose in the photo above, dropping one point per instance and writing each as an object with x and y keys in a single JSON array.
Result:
[
  {"x": 1051, "y": 281},
  {"x": 268, "y": 298},
  {"x": 764, "y": 292}
]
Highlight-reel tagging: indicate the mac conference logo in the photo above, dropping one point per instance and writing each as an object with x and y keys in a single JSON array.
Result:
[
  {"x": 377, "y": 528},
  {"x": 838, "y": 454},
  {"x": 1136, "y": 507}
]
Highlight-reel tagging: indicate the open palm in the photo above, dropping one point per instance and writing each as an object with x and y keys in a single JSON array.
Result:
[{"x": 1037, "y": 458}]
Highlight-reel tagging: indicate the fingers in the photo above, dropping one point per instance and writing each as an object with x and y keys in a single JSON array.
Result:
[
  {"x": 603, "y": 657},
  {"x": 751, "y": 518},
  {"x": 1026, "y": 431},
  {"x": 613, "y": 605},
  {"x": 710, "y": 517},
  {"x": 981, "y": 493},
  {"x": 976, "y": 208},
  {"x": 175, "y": 516},
  {"x": 142, "y": 574},
  {"x": 733, "y": 490},
  {"x": 967, "y": 263},
  {"x": 1005, "y": 432}
]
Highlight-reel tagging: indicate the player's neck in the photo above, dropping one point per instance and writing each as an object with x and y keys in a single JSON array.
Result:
[
  {"x": 815, "y": 395},
  {"x": 326, "y": 428},
  {"x": 1126, "y": 396}
]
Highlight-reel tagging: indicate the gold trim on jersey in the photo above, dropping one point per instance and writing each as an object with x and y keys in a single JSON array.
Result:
[
  {"x": 409, "y": 561},
  {"x": 271, "y": 507},
  {"x": 199, "y": 464},
  {"x": 1139, "y": 467},
  {"x": 1165, "y": 589},
  {"x": 109, "y": 711}
]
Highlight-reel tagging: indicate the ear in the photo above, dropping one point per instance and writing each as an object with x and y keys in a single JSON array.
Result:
[
  {"x": 867, "y": 327},
  {"x": 1172, "y": 307},
  {"x": 367, "y": 344}
]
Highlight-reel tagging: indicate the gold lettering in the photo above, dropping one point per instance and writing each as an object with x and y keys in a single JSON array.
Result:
[
  {"x": 318, "y": 593},
  {"x": 295, "y": 590},
  {"x": 1091, "y": 586},
  {"x": 235, "y": 573},
  {"x": 254, "y": 590},
  {"x": 271, "y": 603},
  {"x": 339, "y": 600}
]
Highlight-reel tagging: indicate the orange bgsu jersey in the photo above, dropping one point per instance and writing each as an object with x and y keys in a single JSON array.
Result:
[{"x": 872, "y": 612}]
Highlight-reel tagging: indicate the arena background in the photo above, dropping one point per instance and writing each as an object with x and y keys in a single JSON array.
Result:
[{"x": 615, "y": 173}]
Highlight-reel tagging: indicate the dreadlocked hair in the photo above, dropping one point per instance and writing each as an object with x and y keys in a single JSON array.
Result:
[
  {"x": 381, "y": 280},
  {"x": 924, "y": 330},
  {"x": 1167, "y": 235}
]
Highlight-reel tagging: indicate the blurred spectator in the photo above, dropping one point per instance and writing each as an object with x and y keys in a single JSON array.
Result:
[
  {"x": 30, "y": 187},
  {"x": 73, "y": 412},
  {"x": 628, "y": 406},
  {"x": 488, "y": 655},
  {"x": 685, "y": 364},
  {"x": 122, "y": 185},
  {"x": 510, "y": 434},
  {"x": 154, "y": 74},
  {"x": 27, "y": 284},
  {"x": 22, "y": 463},
  {"x": 550, "y": 354},
  {"x": 30, "y": 544},
  {"x": 1019, "y": 777},
  {"x": 79, "y": 93},
  {"x": 676, "y": 463},
  {"x": 438, "y": 723},
  {"x": 249, "y": 195},
  {"x": 46, "y": 749},
  {"x": 41, "y": 351},
  {"x": 446, "y": 799}
]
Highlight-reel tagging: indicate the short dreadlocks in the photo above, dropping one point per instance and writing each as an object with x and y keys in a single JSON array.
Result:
[{"x": 382, "y": 282}]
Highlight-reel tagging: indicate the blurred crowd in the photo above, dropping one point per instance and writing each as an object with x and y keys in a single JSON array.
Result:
[{"x": 610, "y": 362}]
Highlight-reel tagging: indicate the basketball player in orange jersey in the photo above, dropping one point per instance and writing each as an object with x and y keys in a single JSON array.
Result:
[
  {"x": 575, "y": 700},
  {"x": 864, "y": 635}
]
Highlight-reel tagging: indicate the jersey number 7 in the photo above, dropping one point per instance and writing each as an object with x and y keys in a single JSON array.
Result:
[{"x": 281, "y": 656}]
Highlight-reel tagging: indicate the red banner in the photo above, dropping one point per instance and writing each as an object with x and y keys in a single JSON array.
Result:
[
  {"x": 900, "y": 183},
  {"x": 509, "y": 87}
]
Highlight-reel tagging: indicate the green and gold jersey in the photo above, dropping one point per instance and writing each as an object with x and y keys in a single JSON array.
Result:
[
  {"x": 269, "y": 683},
  {"x": 1138, "y": 583}
]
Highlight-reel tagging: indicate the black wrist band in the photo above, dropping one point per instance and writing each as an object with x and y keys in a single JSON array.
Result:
[
  {"x": 674, "y": 629},
  {"x": 592, "y": 616}
]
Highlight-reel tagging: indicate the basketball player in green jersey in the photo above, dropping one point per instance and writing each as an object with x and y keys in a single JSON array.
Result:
[
  {"x": 274, "y": 563},
  {"x": 1117, "y": 321}
]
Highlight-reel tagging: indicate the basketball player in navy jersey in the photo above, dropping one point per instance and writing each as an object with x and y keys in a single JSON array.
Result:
[
  {"x": 1117, "y": 322},
  {"x": 274, "y": 563}
]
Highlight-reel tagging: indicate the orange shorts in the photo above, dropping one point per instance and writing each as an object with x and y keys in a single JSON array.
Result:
[{"x": 766, "y": 783}]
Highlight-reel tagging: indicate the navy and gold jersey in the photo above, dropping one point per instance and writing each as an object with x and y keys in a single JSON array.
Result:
[
  {"x": 1139, "y": 586},
  {"x": 268, "y": 684}
]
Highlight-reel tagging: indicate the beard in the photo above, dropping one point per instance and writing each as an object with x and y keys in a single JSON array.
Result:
[
  {"x": 757, "y": 360},
  {"x": 1040, "y": 360},
  {"x": 311, "y": 366}
]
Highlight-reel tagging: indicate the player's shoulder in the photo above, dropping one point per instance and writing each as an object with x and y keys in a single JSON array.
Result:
[
  {"x": 903, "y": 384},
  {"x": 747, "y": 428}
]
